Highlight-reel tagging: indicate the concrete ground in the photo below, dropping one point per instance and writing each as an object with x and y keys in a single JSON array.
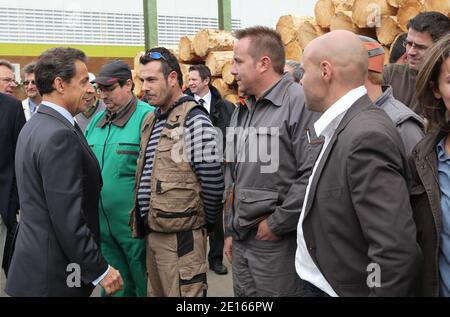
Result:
[{"x": 218, "y": 285}]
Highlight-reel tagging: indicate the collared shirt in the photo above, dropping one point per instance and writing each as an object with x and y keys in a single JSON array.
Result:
[
  {"x": 121, "y": 117},
  {"x": 63, "y": 111},
  {"x": 207, "y": 100},
  {"x": 66, "y": 114},
  {"x": 444, "y": 249},
  {"x": 326, "y": 126},
  {"x": 33, "y": 106}
]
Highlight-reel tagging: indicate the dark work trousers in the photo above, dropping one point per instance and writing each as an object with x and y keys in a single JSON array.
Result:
[{"x": 216, "y": 241}]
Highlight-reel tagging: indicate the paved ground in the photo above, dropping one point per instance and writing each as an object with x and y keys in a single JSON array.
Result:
[{"x": 218, "y": 285}]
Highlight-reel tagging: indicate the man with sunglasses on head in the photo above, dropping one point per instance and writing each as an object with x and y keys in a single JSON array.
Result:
[
  {"x": 423, "y": 30},
  {"x": 7, "y": 80},
  {"x": 179, "y": 181},
  {"x": 114, "y": 136},
  {"x": 94, "y": 104},
  {"x": 34, "y": 98}
]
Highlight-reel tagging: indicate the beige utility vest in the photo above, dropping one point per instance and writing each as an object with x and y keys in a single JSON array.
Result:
[{"x": 175, "y": 202}]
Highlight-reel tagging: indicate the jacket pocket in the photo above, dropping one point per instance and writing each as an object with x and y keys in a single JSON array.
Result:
[
  {"x": 127, "y": 154},
  {"x": 254, "y": 205},
  {"x": 175, "y": 204}
]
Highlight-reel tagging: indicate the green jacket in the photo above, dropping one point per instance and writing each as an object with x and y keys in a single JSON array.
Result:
[{"x": 117, "y": 150}]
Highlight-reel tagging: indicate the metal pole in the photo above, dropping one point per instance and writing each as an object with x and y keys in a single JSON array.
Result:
[
  {"x": 225, "y": 15},
  {"x": 151, "y": 23}
]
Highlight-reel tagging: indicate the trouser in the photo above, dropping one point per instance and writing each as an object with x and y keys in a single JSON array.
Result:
[
  {"x": 176, "y": 264},
  {"x": 265, "y": 268},
  {"x": 3, "y": 233},
  {"x": 216, "y": 241},
  {"x": 125, "y": 254}
]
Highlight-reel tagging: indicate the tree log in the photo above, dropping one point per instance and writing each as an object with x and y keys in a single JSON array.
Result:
[
  {"x": 343, "y": 5},
  {"x": 368, "y": 13},
  {"x": 407, "y": 10},
  {"x": 185, "y": 71},
  {"x": 324, "y": 12},
  {"x": 216, "y": 60},
  {"x": 227, "y": 76},
  {"x": 186, "y": 49},
  {"x": 294, "y": 51},
  {"x": 222, "y": 87},
  {"x": 233, "y": 98},
  {"x": 442, "y": 6},
  {"x": 206, "y": 41},
  {"x": 387, "y": 54},
  {"x": 287, "y": 26},
  {"x": 343, "y": 21},
  {"x": 388, "y": 30},
  {"x": 394, "y": 3},
  {"x": 308, "y": 31}
]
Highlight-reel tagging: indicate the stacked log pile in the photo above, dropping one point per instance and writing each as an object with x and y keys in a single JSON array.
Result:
[{"x": 382, "y": 20}]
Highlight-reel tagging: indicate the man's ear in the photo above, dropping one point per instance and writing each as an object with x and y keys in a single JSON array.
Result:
[
  {"x": 59, "y": 85},
  {"x": 173, "y": 78},
  {"x": 326, "y": 70},
  {"x": 265, "y": 64}
]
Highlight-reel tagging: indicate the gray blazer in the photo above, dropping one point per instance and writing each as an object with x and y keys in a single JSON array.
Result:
[
  {"x": 358, "y": 209},
  {"x": 59, "y": 182}
]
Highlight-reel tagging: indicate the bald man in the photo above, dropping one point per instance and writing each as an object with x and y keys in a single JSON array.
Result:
[{"x": 356, "y": 235}]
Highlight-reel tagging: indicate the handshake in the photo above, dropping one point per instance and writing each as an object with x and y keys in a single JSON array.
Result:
[{"x": 112, "y": 282}]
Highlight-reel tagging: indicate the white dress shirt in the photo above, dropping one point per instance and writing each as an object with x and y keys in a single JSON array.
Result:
[
  {"x": 326, "y": 126},
  {"x": 66, "y": 114},
  {"x": 207, "y": 98}
]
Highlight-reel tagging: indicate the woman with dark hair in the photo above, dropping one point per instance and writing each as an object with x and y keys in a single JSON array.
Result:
[{"x": 430, "y": 166}]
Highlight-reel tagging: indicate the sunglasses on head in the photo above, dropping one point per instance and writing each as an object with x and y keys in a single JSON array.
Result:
[{"x": 157, "y": 56}]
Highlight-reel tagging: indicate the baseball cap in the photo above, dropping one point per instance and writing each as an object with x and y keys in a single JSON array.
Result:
[
  {"x": 376, "y": 53},
  {"x": 112, "y": 72}
]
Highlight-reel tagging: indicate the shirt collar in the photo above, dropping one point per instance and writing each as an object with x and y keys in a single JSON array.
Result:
[
  {"x": 337, "y": 109},
  {"x": 442, "y": 154},
  {"x": 32, "y": 105},
  {"x": 274, "y": 94},
  {"x": 206, "y": 98},
  {"x": 120, "y": 118},
  {"x": 63, "y": 111}
]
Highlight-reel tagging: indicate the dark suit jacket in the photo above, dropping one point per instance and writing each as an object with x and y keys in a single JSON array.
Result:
[
  {"x": 220, "y": 112},
  {"x": 12, "y": 120},
  {"x": 59, "y": 184},
  {"x": 358, "y": 209}
]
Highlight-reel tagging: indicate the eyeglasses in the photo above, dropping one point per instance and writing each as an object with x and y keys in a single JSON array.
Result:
[
  {"x": 157, "y": 56},
  {"x": 27, "y": 82},
  {"x": 9, "y": 80},
  {"x": 106, "y": 88},
  {"x": 407, "y": 44}
]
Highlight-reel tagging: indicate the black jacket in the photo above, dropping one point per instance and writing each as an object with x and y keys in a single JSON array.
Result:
[
  {"x": 221, "y": 110},
  {"x": 12, "y": 120}
]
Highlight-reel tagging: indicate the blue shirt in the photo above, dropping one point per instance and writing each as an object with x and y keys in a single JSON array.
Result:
[
  {"x": 33, "y": 106},
  {"x": 444, "y": 250}
]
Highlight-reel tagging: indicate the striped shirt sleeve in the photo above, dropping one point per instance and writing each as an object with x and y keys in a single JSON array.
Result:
[{"x": 204, "y": 156}]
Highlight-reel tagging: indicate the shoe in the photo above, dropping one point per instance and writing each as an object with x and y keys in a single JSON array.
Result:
[{"x": 219, "y": 268}]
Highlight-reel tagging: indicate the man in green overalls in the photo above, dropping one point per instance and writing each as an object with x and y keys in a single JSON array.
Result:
[{"x": 114, "y": 136}]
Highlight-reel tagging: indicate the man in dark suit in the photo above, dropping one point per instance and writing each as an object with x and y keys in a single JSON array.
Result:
[
  {"x": 356, "y": 234},
  {"x": 12, "y": 120},
  {"x": 58, "y": 178},
  {"x": 220, "y": 111}
]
